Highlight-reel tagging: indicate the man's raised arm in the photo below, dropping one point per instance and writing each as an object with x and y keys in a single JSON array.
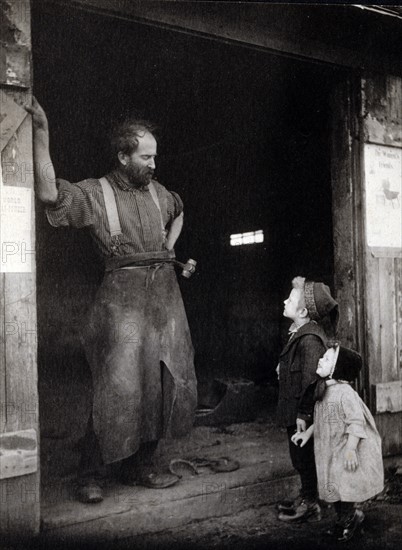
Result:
[{"x": 45, "y": 178}]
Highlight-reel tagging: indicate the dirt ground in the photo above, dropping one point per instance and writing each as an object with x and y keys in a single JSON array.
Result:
[{"x": 260, "y": 528}]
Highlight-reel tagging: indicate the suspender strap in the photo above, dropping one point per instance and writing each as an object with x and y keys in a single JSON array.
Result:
[
  {"x": 155, "y": 198},
  {"x": 111, "y": 208}
]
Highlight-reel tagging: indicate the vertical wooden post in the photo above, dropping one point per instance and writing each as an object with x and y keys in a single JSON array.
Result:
[
  {"x": 346, "y": 218},
  {"x": 19, "y": 421}
]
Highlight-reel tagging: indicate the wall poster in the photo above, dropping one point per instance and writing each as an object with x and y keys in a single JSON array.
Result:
[{"x": 383, "y": 186}]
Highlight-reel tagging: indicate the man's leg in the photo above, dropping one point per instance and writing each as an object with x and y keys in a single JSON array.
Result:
[
  {"x": 303, "y": 461},
  {"x": 89, "y": 469}
]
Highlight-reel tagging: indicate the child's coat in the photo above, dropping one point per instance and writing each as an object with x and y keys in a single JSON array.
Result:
[{"x": 339, "y": 413}]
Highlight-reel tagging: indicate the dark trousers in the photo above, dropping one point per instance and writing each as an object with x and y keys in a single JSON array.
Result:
[
  {"x": 91, "y": 462},
  {"x": 304, "y": 463}
]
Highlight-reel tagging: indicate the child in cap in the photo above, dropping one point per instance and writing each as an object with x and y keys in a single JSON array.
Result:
[
  {"x": 308, "y": 305},
  {"x": 347, "y": 444}
]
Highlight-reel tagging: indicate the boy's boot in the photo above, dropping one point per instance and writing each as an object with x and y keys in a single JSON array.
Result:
[
  {"x": 307, "y": 510},
  {"x": 289, "y": 506}
]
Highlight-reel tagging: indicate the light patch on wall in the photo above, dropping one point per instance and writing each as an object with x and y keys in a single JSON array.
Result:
[{"x": 251, "y": 237}]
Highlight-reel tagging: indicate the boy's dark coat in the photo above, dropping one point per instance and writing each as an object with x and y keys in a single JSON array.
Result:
[{"x": 298, "y": 364}]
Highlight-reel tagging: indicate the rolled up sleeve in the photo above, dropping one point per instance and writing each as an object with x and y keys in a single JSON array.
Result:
[
  {"x": 73, "y": 207},
  {"x": 174, "y": 205}
]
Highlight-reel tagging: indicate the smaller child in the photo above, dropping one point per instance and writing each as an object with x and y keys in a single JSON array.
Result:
[{"x": 347, "y": 445}]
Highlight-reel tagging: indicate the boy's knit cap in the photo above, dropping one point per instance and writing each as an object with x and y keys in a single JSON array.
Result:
[
  {"x": 320, "y": 303},
  {"x": 348, "y": 365}
]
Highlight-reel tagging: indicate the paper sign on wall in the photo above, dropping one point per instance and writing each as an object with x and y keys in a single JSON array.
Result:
[
  {"x": 15, "y": 229},
  {"x": 383, "y": 196}
]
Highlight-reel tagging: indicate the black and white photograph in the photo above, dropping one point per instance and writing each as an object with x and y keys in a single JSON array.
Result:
[{"x": 200, "y": 275}]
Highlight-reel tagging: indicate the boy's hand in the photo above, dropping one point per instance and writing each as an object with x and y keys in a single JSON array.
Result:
[
  {"x": 300, "y": 439},
  {"x": 300, "y": 425},
  {"x": 351, "y": 462},
  {"x": 39, "y": 118}
]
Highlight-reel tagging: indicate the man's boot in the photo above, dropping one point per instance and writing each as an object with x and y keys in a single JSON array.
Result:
[
  {"x": 89, "y": 490},
  {"x": 140, "y": 470},
  {"x": 307, "y": 510}
]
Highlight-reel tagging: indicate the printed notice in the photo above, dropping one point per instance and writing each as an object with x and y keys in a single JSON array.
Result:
[
  {"x": 15, "y": 229},
  {"x": 383, "y": 196}
]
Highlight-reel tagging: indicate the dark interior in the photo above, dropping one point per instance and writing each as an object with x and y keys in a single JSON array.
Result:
[{"x": 244, "y": 139}]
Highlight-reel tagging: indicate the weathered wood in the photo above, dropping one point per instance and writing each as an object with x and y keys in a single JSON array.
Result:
[
  {"x": 18, "y": 453},
  {"x": 390, "y": 427},
  {"x": 20, "y": 496},
  {"x": 19, "y": 509},
  {"x": 383, "y": 119},
  {"x": 388, "y": 319},
  {"x": 129, "y": 511},
  {"x": 382, "y": 116},
  {"x": 398, "y": 283},
  {"x": 313, "y": 32},
  {"x": 345, "y": 206},
  {"x": 11, "y": 117},
  {"x": 372, "y": 310},
  {"x": 388, "y": 397},
  {"x": 15, "y": 45}
]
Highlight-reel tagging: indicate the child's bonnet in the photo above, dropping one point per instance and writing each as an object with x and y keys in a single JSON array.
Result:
[{"x": 347, "y": 366}]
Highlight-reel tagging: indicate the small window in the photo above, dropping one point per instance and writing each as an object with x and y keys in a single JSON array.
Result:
[{"x": 251, "y": 237}]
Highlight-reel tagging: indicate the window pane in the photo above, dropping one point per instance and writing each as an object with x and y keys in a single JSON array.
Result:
[{"x": 250, "y": 237}]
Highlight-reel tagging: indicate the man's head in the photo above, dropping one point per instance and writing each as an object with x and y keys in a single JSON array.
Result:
[
  {"x": 295, "y": 306},
  {"x": 134, "y": 147}
]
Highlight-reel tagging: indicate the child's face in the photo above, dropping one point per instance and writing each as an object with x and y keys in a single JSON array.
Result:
[
  {"x": 292, "y": 308},
  {"x": 326, "y": 363}
]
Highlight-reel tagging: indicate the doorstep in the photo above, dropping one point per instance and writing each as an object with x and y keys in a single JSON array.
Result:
[{"x": 264, "y": 477}]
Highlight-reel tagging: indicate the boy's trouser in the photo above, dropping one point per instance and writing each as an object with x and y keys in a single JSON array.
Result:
[{"x": 303, "y": 461}]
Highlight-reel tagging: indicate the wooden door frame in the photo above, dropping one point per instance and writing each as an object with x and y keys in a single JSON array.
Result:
[
  {"x": 348, "y": 218},
  {"x": 19, "y": 426}
]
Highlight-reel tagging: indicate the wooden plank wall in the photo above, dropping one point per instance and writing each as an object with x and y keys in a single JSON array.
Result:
[
  {"x": 19, "y": 496},
  {"x": 382, "y": 124}
]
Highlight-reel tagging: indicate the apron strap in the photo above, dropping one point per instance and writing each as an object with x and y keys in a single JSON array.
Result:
[{"x": 111, "y": 208}]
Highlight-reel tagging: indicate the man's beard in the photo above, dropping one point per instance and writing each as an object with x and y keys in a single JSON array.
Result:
[{"x": 138, "y": 176}]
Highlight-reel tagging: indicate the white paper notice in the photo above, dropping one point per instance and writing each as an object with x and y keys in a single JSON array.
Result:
[
  {"x": 383, "y": 196},
  {"x": 15, "y": 229}
]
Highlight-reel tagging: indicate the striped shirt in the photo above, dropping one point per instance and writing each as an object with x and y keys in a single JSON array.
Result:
[{"x": 82, "y": 205}]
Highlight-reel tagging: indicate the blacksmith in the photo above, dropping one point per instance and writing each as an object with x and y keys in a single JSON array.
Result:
[{"x": 137, "y": 339}]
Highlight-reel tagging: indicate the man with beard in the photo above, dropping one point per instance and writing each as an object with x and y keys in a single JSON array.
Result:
[{"x": 137, "y": 339}]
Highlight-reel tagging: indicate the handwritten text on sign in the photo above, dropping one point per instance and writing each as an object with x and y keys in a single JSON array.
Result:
[{"x": 15, "y": 229}]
